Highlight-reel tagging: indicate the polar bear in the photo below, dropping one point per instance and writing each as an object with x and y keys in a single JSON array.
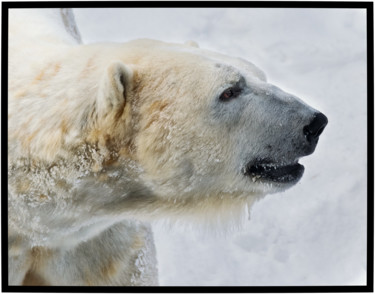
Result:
[{"x": 104, "y": 138}]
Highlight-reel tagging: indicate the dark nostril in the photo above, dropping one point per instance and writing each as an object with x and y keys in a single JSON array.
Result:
[{"x": 316, "y": 127}]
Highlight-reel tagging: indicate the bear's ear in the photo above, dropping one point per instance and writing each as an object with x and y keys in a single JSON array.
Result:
[
  {"x": 113, "y": 88},
  {"x": 191, "y": 44}
]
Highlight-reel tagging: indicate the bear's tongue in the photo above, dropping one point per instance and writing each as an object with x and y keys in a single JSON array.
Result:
[{"x": 276, "y": 173}]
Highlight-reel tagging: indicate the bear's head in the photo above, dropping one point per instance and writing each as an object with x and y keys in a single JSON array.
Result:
[{"x": 201, "y": 125}]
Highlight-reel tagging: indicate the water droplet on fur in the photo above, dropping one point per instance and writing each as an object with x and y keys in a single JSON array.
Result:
[{"x": 248, "y": 212}]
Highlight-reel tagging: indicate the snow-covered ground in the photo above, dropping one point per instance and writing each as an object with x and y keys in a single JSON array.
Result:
[{"x": 314, "y": 233}]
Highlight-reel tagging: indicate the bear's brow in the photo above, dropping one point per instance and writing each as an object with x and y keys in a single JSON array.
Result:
[{"x": 232, "y": 74}]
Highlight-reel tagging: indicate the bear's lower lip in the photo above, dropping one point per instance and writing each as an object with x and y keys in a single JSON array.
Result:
[{"x": 280, "y": 173}]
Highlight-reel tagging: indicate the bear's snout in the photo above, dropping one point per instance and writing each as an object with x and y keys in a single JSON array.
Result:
[{"x": 314, "y": 129}]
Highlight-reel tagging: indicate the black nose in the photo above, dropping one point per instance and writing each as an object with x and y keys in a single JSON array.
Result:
[{"x": 315, "y": 128}]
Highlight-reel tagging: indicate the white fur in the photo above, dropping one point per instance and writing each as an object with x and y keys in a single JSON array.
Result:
[{"x": 106, "y": 137}]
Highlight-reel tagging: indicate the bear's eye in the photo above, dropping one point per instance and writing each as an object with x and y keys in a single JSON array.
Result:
[{"x": 229, "y": 94}]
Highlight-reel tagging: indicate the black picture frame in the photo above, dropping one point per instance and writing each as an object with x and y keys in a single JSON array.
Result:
[{"x": 368, "y": 6}]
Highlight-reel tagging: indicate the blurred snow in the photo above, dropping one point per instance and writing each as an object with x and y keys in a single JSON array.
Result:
[{"x": 314, "y": 233}]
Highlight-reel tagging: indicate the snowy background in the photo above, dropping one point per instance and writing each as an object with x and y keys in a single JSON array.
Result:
[{"x": 314, "y": 233}]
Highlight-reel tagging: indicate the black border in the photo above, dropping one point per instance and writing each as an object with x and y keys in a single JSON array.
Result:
[
  {"x": 196, "y": 4},
  {"x": 188, "y": 4}
]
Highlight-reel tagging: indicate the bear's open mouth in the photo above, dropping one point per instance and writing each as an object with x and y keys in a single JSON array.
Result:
[{"x": 271, "y": 171}]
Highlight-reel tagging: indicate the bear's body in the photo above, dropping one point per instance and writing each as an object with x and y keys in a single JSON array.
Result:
[{"x": 105, "y": 137}]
